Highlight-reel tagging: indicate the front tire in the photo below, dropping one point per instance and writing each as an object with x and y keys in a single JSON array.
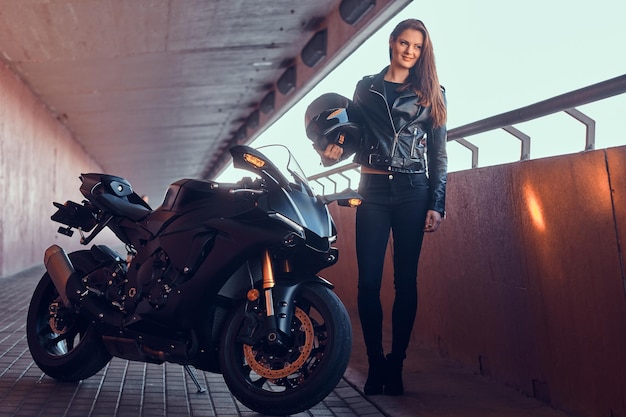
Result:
[
  {"x": 297, "y": 377},
  {"x": 64, "y": 345}
]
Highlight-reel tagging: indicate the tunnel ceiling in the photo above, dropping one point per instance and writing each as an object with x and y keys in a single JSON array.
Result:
[{"x": 157, "y": 90}]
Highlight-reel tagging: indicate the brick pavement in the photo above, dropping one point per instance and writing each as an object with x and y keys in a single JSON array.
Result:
[
  {"x": 434, "y": 386},
  {"x": 122, "y": 388}
]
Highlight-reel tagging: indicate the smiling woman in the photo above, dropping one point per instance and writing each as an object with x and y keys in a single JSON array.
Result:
[{"x": 404, "y": 51}]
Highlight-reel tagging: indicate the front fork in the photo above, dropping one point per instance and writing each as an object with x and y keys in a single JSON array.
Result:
[
  {"x": 268, "y": 283},
  {"x": 277, "y": 315},
  {"x": 275, "y": 325}
]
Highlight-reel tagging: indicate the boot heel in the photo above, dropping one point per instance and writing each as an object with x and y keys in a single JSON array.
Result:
[
  {"x": 393, "y": 377},
  {"x": 375, "y": 377}
]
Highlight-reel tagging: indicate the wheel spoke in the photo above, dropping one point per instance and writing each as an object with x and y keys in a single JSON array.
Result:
[
  {"x": 47, "y": 336},
  {"x": 259, "y": 382},
  {"x": 54, "y": 341},
  {"x": 69, "y": 339},
  {"x": 57, "y": 338}
]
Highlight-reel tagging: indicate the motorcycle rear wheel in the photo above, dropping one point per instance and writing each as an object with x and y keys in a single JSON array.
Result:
[
  {"x": 63, "y": 344},
  {"x": 303, "y": 374}
]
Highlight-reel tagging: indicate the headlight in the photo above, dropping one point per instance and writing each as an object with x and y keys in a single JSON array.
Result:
[{"x": 295, "y": 226}]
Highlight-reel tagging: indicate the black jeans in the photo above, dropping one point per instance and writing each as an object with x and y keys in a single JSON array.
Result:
[{"x": 396, "y": 203}]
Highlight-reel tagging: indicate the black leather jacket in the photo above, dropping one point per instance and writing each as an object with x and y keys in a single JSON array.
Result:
[{"x": 401, "y": 139}]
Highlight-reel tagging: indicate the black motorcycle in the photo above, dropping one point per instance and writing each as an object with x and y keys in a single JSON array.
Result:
[{"x": 221, "y": 277}]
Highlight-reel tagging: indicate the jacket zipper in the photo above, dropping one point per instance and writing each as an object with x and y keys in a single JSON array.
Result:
[{"x": 396, "y": 134}]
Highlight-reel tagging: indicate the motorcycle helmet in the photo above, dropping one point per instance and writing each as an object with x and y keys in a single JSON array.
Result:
[{"x": 333, "y": 119}]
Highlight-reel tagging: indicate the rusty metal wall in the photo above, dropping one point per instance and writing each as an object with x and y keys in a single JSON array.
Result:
[{"x": 525, "y": 280}]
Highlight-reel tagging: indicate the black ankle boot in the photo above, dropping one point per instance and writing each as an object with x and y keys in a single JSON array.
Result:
[
  {"x": 375, "y": 376},
  {"x": 393, "y": 375}
]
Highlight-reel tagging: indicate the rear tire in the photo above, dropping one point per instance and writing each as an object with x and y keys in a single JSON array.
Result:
[
  {"x": 64, "y": 345},
  {"x": 300, "y": 376}
]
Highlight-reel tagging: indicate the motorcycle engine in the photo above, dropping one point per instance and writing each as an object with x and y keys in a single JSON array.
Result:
[
  {"x": 156, "y": 281},
  {"x": 109, "y": 281}
]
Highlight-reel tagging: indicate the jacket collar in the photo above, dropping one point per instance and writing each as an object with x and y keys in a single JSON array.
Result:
[
  {"x": 378, "y": 84},
  {"x": 378, "y": 81}
]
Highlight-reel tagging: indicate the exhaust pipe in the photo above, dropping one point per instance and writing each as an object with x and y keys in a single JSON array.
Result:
[
  {"x": 60, "y": 269},
  {"x": 69, "y": 285}
]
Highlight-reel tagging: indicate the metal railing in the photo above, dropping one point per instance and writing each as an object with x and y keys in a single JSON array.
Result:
[{"x": 566, "y": 103}]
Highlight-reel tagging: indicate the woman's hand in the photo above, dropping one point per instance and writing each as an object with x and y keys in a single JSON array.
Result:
[
  {"x": 333, "y": 152},
  {"x": 433, "y": 220}
]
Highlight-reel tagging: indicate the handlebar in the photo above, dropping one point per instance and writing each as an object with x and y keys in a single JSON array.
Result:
[{"x": 246, "y": 190}]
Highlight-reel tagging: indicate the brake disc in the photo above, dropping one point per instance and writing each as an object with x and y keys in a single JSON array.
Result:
[{"x": 261, "y": 364}]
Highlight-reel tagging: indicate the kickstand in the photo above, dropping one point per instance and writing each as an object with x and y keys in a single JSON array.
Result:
[{"x": 201, "y": 389}]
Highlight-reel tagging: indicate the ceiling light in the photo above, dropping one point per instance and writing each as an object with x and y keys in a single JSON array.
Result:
[
  {"x": 287, "y": 82},
  {"x": 267, "y": 104},
  {"x": 352, "y": 11},
  {"x": 315, "y": 50},
  {"x": 253, "y": 120}
]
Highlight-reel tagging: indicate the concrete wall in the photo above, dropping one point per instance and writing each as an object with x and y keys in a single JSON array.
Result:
[
  {"x": 525, "y": 280},
  {"x": 39, "y": 163}
]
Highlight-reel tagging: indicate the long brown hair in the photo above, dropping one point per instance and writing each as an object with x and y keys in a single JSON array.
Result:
[{"x": 423, "y": 77}]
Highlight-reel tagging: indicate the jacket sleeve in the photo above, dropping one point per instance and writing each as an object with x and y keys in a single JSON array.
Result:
[{"x": 437, "y": 168}]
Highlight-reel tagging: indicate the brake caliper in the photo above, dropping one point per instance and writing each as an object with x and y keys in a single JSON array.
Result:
[{"x": 56, "y": 321}]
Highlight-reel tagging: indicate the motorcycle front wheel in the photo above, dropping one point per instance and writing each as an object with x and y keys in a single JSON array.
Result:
[
  {"x": 64, "y": 345},
  {"x": 289, "y": 379}
]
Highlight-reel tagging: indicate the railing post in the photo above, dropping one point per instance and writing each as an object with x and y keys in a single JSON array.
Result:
[
  {"x": 590, "y": 124},
  {"x": 525, "y": 154},
  {"x": 473, "y": 148}
]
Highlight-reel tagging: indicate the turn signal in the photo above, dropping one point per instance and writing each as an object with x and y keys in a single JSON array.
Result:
[
  {"x": 254, "y": 160},
  {"x": 253, "y": 294},
  {"x": 353, "y": 202}
]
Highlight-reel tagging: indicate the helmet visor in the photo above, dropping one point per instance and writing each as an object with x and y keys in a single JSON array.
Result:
[{"x": 325, "y": 122}]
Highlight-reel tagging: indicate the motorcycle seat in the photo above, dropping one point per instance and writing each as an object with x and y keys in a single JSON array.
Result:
[
  {"x": 115, "y": 195},
  {"x": 123, "y": 207}
]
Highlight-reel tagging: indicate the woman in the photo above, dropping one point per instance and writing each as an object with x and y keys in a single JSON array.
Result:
[{"x": 403, "y": 182}]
